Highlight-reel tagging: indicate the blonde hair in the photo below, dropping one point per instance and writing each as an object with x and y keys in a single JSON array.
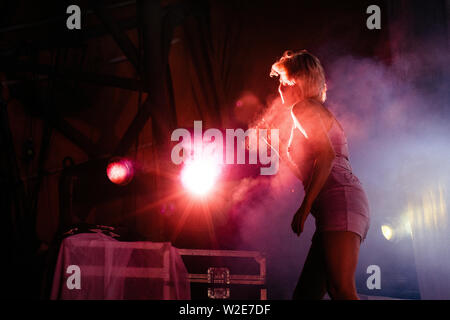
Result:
[{"x": 303, "y": 69}]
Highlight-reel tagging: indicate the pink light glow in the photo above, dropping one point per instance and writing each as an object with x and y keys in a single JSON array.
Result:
[{"x": 120, "y": 172}]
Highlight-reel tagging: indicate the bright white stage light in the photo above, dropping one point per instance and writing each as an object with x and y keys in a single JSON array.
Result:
[
  {"x": 200, "y": 175},
  {"x": 387, "y": 231}
]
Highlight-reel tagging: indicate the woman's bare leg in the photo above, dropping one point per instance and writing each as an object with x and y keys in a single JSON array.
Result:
[
  {"x": 341, "y": 250},
  {"x": 312, "y": 282}
]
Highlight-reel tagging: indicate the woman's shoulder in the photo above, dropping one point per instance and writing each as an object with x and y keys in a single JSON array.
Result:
[{"x": 309, "y": 108}]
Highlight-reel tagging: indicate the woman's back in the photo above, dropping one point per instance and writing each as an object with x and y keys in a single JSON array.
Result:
[{"x": 303, "y": 154}]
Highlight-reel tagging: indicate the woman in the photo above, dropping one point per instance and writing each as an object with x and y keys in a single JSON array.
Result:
[{"x": 333, "y": 195}]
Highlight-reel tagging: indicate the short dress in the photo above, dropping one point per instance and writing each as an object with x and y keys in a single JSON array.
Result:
[{"x": 342, "y": 204}]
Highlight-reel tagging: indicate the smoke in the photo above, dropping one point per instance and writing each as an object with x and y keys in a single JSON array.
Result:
[{"x": 396, "y": 120}]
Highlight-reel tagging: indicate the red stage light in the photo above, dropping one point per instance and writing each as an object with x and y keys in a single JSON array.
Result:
[{"x": 120, "y": 171}]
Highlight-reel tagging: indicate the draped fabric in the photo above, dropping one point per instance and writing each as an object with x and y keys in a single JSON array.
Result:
[
  {"x": 111, "y": 269},
  {"x": 428, "y": 214}
]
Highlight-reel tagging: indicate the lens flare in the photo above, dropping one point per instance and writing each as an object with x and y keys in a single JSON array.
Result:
[
  {"x": 200, "y": 175},
  {"x": 120, "y": 171},
  {"x": 387, "y": 231}
]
